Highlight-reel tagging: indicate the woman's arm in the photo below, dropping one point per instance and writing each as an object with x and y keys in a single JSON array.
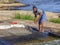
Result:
[
  {"x": 35, "y": 18},
  {"x": 39, "y": 17}
]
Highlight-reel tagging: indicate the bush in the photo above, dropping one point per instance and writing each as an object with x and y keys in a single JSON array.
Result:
[
  {"x": 23, "y": 16},
  {"x": 55, "y": 20}
]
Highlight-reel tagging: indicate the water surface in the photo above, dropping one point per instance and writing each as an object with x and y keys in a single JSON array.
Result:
[{"x": 47, "y": 5}]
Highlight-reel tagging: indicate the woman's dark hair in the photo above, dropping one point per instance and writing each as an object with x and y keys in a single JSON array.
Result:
[{"x": 34, "y": 7}]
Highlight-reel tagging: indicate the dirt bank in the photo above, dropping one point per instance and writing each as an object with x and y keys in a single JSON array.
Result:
[{"x": 11, "y": 13}]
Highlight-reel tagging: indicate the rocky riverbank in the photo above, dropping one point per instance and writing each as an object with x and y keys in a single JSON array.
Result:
[
  {"x": 13, "y": 35},
  {"x": 11, "y": 13},
  {"x": 6, "y": 15}
]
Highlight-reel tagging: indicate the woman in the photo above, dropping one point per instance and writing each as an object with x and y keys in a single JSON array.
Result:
[{"x": 40, "y": 17}]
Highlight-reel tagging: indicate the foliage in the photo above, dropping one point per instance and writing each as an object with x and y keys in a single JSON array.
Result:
[
  {"x": 55, "y": 20},
  {"x": 23, "y": 16}
]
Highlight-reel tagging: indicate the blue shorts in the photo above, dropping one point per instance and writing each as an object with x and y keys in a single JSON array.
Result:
[{"x": 43, "y": 18}]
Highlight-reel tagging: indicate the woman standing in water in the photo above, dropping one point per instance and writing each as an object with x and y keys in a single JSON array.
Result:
[{"x": 40, "y": 17}]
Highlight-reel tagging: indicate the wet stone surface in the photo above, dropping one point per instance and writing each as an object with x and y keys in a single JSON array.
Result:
[{"x": 16, "y": 35}]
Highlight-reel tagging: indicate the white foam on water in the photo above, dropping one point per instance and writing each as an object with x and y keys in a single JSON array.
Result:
[{"x": 10, "y": 26}]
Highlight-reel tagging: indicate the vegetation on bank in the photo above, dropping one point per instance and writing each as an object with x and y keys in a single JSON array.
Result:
[
  {"x": 30, "y": 17},
  {"x": 55, "y": 20},
  {"x": 23, "y": 16}
]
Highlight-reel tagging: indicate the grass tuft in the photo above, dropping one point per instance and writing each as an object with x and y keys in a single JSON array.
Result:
[
  {"x": 55, "y": 20},
  {"x": 23, "y": 16}
]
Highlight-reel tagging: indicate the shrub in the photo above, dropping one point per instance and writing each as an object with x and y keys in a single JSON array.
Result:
[
  {"x": 23, "y": 16},
  {"x": 55, "y": 20}
]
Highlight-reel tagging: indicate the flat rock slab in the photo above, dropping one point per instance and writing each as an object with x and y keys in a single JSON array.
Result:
[
  {"x": 14, "y": 35},
  {"x": 20, "y": 31},
  {"x": 14, "y": 31}
]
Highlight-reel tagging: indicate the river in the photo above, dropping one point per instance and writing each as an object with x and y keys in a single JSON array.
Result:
[{"x": 47, "y": 5}]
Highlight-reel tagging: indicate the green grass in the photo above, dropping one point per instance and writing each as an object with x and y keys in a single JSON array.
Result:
[
  {"x": 23, "y": 16},
  {"x": 55, "y": 20}
]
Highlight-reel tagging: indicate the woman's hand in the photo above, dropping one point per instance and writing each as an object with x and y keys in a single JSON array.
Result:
[{"x": 37, "y": 18}]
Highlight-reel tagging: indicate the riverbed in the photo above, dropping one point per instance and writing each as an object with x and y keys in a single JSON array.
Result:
[{"x": 16, "y": 37}]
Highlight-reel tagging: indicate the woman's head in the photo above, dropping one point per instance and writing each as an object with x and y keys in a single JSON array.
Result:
[{"x": 34, "y": 8}]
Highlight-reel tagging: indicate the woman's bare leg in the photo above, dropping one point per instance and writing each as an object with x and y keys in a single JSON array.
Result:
[{"x": 41, "y": 27}]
